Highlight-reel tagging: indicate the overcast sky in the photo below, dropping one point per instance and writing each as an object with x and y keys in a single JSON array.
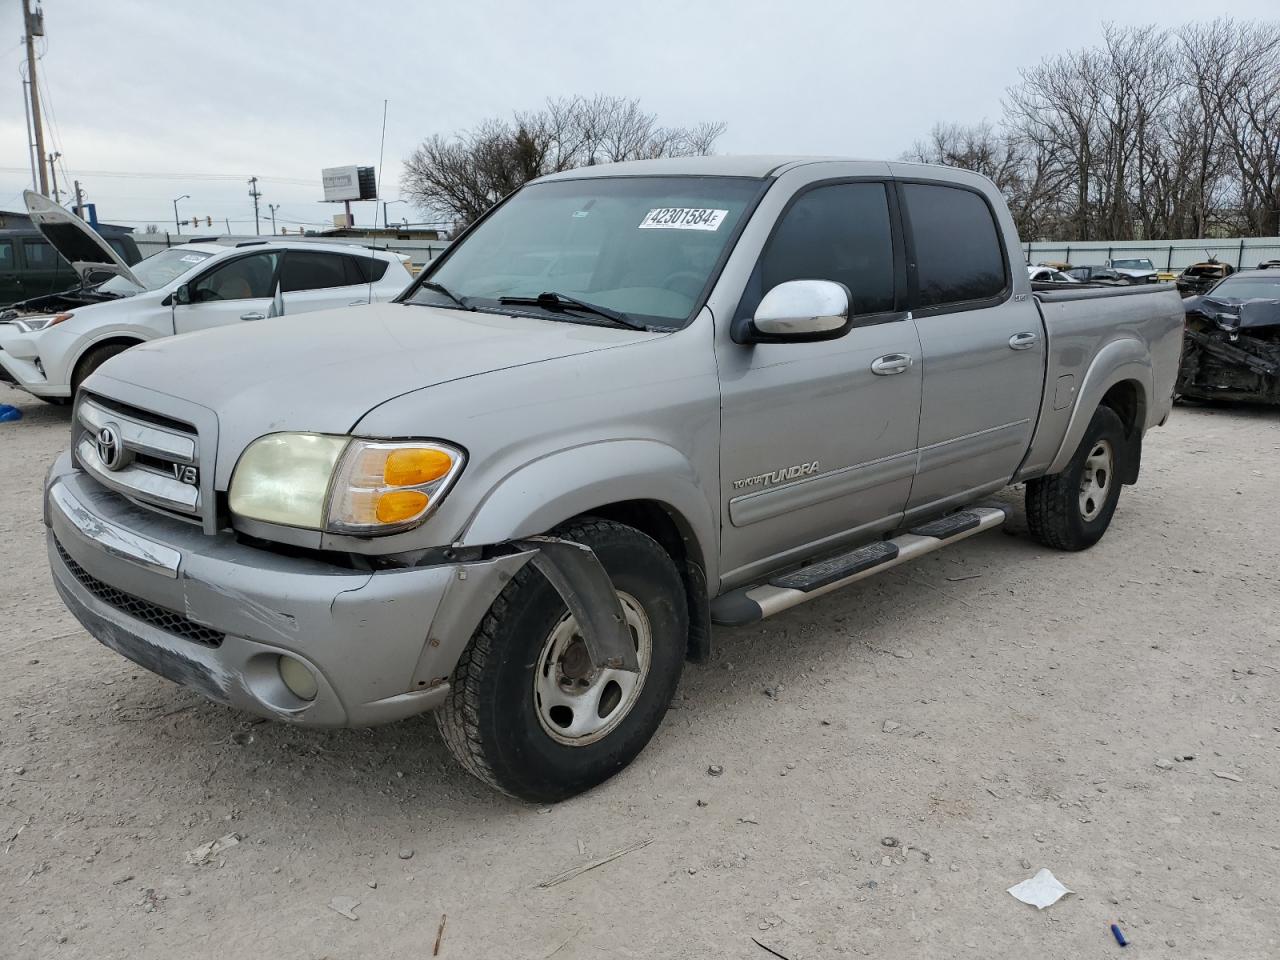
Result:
[{"x": 200, "y": 91}]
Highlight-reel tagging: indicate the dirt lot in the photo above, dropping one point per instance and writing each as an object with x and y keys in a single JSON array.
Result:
[{"x": 995, "y": 709}]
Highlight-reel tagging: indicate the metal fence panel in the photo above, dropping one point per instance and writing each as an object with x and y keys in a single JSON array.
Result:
[{"x": 1243, "y": 254}]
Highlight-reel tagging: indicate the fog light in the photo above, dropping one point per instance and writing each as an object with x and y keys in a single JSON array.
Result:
[{"x": 298, "y": 678}]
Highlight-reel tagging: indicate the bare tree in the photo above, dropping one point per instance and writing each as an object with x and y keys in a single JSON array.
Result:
[
  {"x": 1152, "y": 134},
  {"x": 461, "y": 177}
]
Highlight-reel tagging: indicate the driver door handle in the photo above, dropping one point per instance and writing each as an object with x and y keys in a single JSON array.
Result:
[
  {"x": 253, "y": 316},
  {"x": 1023, "y": 341},
  {"x": 890, "y": 364}
]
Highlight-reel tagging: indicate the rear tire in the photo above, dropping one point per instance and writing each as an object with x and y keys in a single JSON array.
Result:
[
  {"x": 92, "y": 360},
  {"x": 524, "y": 717},
  {"x": 1071, "y": 510}
]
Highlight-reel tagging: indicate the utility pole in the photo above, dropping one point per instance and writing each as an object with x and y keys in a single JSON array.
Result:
[
  {"x": 53, "y": 172},
  {"x": 253, "y": 192},
  {"x": 273, "y": 207},
  {"x": 78, "y": 209},
  {"x": 33, "y": 23}
]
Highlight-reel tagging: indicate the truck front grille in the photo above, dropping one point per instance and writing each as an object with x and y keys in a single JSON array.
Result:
[
  {"x": 148, "y": 458},
  {"x": 139, "y": 609}
]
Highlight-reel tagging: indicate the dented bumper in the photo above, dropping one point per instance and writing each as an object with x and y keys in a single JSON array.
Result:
[{"x": 216, "y": 615}]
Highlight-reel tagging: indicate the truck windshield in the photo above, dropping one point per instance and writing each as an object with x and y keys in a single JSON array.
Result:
[
  {"x": 642, "y": 246},
  {"x": 156, "y": 271}
]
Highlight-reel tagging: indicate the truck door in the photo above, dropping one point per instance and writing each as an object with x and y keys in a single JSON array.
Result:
[
  {"x": 236, "y": 290},
  {"x": 983, "y": 345},
  {"x": 818, "y": 440}
]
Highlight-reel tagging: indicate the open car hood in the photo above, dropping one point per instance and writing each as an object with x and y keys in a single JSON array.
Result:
[{"x": 80, "y": 245}]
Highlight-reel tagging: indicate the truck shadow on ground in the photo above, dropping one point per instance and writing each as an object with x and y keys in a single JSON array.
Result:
[{"x": 209, "y": 755}]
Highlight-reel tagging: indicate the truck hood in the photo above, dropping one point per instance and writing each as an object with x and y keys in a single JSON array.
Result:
[
  {"x": 80, "y": 245},
  {"x": 323, "y": 371}
]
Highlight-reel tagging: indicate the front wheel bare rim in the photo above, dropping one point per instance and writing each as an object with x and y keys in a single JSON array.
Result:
[
  {"x": 1096, "y": 480},
  {"x": 578, "y": 704}
]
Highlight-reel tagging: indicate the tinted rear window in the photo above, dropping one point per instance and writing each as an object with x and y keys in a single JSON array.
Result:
[
  {"x": 957, "y": 247},
  {"x": 304, "y": 270},
  {"x": 365, "y": 269}
]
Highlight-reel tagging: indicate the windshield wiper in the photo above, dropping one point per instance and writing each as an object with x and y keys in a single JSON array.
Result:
[
  {"x": 440, "y": 288},
  {"x": 562, "y": 301}
]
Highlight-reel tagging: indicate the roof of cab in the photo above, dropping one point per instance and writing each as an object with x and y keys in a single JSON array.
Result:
[{"x": 748, "y": 166}]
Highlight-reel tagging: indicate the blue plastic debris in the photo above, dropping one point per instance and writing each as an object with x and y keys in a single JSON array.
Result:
[
  {"x": 8, "y": 413},
  {"x": 1115, "y": 932}
]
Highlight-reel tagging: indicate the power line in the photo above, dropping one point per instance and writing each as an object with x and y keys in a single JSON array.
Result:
[{"x": 143, "y": 175}]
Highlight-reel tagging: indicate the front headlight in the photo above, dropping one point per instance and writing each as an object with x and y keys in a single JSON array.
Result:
[{"x": 342, "y": 484}]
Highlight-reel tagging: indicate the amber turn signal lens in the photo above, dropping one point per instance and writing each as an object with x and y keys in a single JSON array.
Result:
[
  {"x": 411, "y": 466},
  {"x": 395, "y": 506}
]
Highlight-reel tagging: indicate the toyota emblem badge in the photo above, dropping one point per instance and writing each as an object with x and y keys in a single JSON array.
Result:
[{"x": 110, "y": 452}]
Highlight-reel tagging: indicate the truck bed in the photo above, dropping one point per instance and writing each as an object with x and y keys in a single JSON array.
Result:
[{"x": 1094, "y": 327}]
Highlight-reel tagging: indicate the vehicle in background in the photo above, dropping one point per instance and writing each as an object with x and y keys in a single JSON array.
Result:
[
  {"x": 1166, "y": 276},
  {"x": 1137, "y": 269},
  {"x": 48, "y": 345},
  {"x": 1199, "y": 277},
  {"x": 1103, "y": 275},
  {"x": 1055, "y": 264},
  {"x": 631, "y": 400},
  {"x": 1049, "y": 275},
  {"x": 1269, "y": 265},
  {"x": 1231, "y": 348},
  {"x": 30, "y": 266}
]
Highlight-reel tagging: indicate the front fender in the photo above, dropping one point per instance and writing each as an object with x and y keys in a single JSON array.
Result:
[
  {"x": 1118, "y": 361},
  {"x": 561, "y": 485}
]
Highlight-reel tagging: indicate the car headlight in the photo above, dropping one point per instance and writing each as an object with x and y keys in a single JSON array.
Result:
[{"x": 342, "y": 484}]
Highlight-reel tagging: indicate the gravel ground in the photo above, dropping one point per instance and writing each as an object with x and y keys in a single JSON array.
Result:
[{"x": 894, "y": 757}]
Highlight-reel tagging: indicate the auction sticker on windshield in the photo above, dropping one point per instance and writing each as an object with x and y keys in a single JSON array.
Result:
[{"x": 683, "y": 218}]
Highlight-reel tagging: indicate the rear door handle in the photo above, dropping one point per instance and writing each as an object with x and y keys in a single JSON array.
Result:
[
  {"x": 1023, "y": 341},
  {"x": 253, "y": 316},
  {"x": 890, "y": 364}
]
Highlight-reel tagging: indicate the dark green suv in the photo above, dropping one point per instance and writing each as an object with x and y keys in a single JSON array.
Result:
[{"x": 30, "y": 267}]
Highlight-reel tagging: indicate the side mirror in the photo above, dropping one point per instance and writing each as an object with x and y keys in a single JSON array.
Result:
[
  {"x": 182, "y": 295},
  {"x": 801, "y": 311}
]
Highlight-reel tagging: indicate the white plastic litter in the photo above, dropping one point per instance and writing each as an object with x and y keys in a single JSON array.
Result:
[{"x": 1042, "y": 890}]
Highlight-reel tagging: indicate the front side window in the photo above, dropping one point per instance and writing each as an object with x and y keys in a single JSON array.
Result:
[
  {"x": 6, "y": 255},
  {"x": 838, "y": 232},
  {"x": 40, "y": 256},
  {"x": 312, "y": 270},
  {"x": 643, "y": 246},
  {"x": 244, "y": 278},
  {"x": 957, "y": 247}
]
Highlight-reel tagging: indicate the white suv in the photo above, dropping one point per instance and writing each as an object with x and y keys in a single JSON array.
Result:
[{"x": 48, "y": 345}]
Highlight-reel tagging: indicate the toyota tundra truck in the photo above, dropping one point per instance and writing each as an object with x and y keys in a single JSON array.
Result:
[{"x": 630, "y": 402}]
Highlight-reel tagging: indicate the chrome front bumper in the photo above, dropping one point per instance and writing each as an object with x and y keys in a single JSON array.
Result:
[{"x": 215, "y": 615}]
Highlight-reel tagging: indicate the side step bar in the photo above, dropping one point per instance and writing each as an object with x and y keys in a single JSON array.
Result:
[{"x": 749, "y": 604}]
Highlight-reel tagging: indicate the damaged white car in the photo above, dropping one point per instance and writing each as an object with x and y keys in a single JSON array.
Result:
[{"x": 50, "y": 344}]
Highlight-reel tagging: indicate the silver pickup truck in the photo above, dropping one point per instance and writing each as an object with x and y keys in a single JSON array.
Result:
[{"x": 630, "y": 402}]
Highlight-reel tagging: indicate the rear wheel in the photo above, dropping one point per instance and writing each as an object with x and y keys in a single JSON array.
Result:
[
  {"x": 528, "y": 713},
  {"x": 1071, "y": 510},
  {"x": 92, "y": 360}
]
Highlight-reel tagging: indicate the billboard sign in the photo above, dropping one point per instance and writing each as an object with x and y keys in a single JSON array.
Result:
[{"x": 349, "y": 183}]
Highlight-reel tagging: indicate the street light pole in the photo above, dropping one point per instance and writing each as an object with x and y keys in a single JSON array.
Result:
[
  {"x": 176, "y": 222},
  {"x": 385, "y": 204}
]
